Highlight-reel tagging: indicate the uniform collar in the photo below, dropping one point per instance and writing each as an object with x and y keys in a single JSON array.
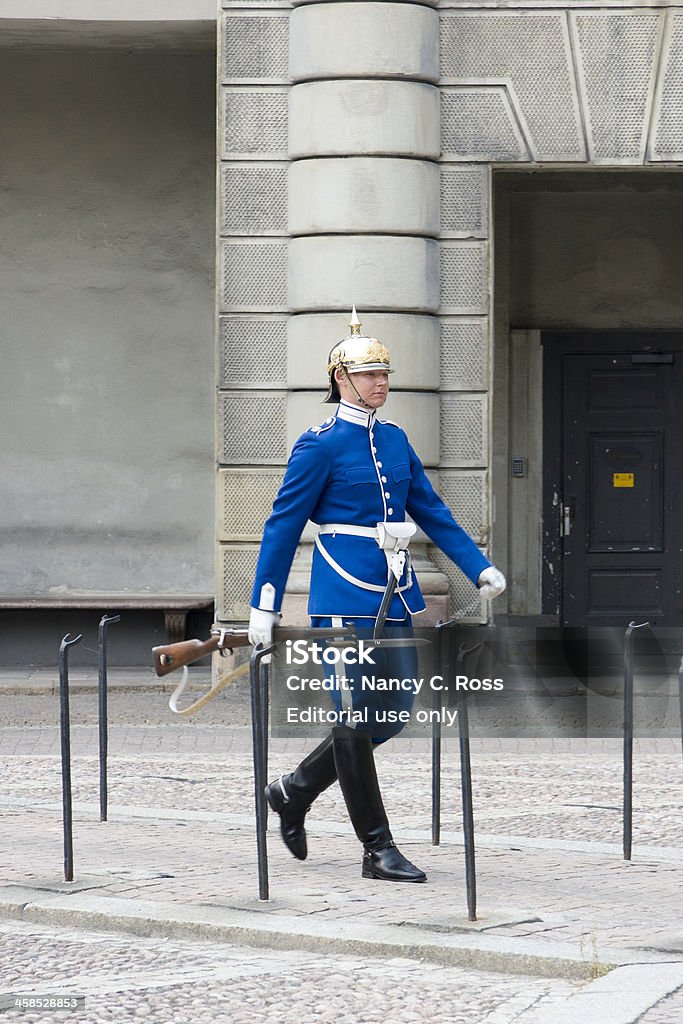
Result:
[{"x": 352, "y": 414}]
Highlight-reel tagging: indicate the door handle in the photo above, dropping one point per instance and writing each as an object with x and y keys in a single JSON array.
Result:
[{"x": 567, "y": 518}]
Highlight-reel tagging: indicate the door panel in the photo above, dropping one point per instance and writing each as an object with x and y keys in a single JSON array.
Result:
[
  {"x": 624, "y": 592},
  {"x": 619, "y": 433},
  {"x": 625, "y": 492},
  {"x": 609, "y": 389}
]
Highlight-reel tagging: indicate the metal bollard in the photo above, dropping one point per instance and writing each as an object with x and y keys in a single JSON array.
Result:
[
  {"x": 258, "y": 676},
  {"x": 105, "y": 621},
  {"x": 436, "y": 739},
  {"x": 466, "y": 786},
  {"x": 437, "y": 704},
  {"x": 628, "y": 737},
  {"x": 465, "y": 767},
  {"x": 65, "y": 735}
]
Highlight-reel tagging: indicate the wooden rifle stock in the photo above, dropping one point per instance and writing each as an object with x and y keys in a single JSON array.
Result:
[{"x": 169, "y": 657}]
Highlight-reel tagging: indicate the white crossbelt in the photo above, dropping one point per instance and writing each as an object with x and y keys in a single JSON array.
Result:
[
  {"x": 343, "y": 573},
  {"x": 371, "y": 532}
]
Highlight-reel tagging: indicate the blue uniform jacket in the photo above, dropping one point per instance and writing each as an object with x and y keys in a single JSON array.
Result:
[{"x": 355, "y": 469}]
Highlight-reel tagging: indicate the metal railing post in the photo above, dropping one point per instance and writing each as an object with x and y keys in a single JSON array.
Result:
[
  {"x": 65, "y": 736},
  {"x": 436, "y": 740},
  {"x": 628, "y": 737},
  {"x": 258, "y": 678},
  {"x": 105, "y": 621},
  {"x": 466, "y": 787}
]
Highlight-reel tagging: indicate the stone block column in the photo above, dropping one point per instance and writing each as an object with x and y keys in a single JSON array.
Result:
[{"x": 364, "y": 188}]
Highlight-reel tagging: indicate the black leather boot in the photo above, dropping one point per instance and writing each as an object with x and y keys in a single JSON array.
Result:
[
  {"x": 292, "y": 795},
  {"x": 355, "y": 761}
]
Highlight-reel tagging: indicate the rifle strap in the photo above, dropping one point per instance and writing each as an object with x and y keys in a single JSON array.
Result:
[{"x": 208, "y": 696}]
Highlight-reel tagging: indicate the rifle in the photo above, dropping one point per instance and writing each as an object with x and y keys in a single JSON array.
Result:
[{"x": 169, "y": 657}]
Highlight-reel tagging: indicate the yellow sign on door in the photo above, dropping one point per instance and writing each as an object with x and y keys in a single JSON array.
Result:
[{"x": 623, "y": 480}]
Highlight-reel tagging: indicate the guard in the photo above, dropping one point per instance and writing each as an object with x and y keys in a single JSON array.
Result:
[{"x": 358, "y": 478}]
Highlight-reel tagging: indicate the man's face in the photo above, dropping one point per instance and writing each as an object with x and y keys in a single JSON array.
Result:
[{"x": 371, "y": 385}]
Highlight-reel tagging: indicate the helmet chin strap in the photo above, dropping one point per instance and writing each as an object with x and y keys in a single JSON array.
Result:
[{"x": 347, "y": 378}]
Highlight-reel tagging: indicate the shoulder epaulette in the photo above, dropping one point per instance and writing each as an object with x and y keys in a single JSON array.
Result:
[
  {"x": 329, "y": 422},
  {"x": 390, "y": 423}
]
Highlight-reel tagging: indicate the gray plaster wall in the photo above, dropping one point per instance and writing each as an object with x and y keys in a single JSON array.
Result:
[
  {"x": 595, "y": 249},
  {"x": 109, "y": 10},
  {"x": 106, "y": 323}
]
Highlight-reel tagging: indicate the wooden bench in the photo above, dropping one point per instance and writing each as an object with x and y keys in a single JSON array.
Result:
[{"x": 174, "y": 607}]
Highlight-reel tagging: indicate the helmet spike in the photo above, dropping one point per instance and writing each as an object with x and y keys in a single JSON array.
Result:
[{"x": 355, "y": 323}]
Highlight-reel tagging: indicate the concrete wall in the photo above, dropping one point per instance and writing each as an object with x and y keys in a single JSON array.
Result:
[
  {"x": 109, "y": 10},
  {"x": 330, "y": 115},
  {"x": 106, "y": 307},
  {"x": 598, "y": 250}
]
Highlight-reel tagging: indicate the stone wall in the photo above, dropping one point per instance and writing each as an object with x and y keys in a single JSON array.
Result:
[
  {"x": 365, "y": 110},
  {"x": 106, "y": 297}
]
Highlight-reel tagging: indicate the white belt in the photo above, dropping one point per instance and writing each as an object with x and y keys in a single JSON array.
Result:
[{"x": 348, "y": 528}]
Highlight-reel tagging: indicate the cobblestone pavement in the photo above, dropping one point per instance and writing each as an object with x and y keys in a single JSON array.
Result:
[
  {"x": 180, "y": 834},
  {"x": 162, "y": 981}
]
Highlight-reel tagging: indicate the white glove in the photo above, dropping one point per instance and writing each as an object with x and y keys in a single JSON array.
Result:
[
  {"x": 261, "y": 626},
  {"x": 491, "y": 582}
]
